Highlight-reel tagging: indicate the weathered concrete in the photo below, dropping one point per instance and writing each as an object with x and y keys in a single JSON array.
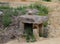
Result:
[{"x": 35, "y": 19}]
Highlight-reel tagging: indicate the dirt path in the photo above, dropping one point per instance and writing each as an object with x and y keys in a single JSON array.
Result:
[{"x": 47, "y": 41}]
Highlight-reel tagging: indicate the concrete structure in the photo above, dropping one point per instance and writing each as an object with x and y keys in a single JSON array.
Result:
[{"x": 33, "y": 23}]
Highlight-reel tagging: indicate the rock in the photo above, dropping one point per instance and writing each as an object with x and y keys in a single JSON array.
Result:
[
  {"x": 35, "y": 19},
  {"x": 1, "y": 12},
  {"x": 32, "y": 11}
]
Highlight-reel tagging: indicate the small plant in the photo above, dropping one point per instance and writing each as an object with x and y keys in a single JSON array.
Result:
[
  {"x": 30, "y": 38},
  {"x": 40, "y": 34},
  {"x": 29, "y": 34},
  {"x": 15, "y": 12},
  {"x": 6, "y": 20},
  {"x": 45, "y": 31},
  {"x": 8, "y": 13},
  {"x": 43, "y": 10},
  {"x": 45, "y": 34},
  {"x": 22, "y": 9},
  {"x": 5, "y": 7},
  {"x": 45, "y": 24}
]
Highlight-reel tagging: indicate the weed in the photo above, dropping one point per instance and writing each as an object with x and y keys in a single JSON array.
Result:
[
  {"x": 6, "y": 20},
  {"x": 43, "y": 10}
]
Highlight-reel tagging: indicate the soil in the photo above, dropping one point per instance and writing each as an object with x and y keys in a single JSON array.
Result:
[{"x": 45, "y": 41}]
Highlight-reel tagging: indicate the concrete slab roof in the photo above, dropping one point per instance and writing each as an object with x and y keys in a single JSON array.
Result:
[{"x": 35, "y": 19}]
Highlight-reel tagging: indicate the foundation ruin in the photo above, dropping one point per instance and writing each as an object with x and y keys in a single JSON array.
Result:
[{"x": 30, "y": 22}]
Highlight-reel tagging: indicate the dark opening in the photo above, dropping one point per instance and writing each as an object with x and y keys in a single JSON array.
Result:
[
  {"x": 29, "y": 32},
  {"x": 13, "y": 37},
  {"x": 28, "y": 28},
  {"x": 43, "y": 32}
]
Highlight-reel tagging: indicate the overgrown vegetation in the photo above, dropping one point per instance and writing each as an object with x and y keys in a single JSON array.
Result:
[
  {"x": 9, "y": 12},
  {"x": 5, "y": 7},
  {"x": 30, "y": 38},
  {"x": 45, "y": 34},
  {"x": 22, "y": 9},
  {"x": 45, "y": 30},
  {"x": 43, "y": 10},
  {"x": 29, "y": 33},
  {"x": 45, "y": 24},
  {"x": 6, "y": 20}
]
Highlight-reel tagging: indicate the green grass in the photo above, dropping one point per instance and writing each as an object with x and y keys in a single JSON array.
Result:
[
  {"x": 15, "y": 12},
  {"x": 43, "y": 10},
  {"x": 30, "y": 38},
  {"x": 45, "y": 34},
  {"x": 9, "y": 11},
  {"x": 7, "y": 17},
  {"x": 45, "y": 31},
  {"x": 6, "y": 20},
  {"x": 22, "y": 9},
  {"x": 45, "y": 24},
  {"x": 5, "y": 7}
]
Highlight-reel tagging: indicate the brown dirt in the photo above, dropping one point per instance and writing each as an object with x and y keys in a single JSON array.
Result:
[{"x": 47, "y": 41}]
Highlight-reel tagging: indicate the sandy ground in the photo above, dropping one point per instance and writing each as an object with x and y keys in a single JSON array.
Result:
[{"x": 45, "y": 41}]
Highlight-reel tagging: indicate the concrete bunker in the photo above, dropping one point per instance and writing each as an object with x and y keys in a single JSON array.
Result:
[{"x": 33, "y": 24}]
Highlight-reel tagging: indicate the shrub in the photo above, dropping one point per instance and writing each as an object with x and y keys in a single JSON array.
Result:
[
  {"x": 5, "y": 7},
  {"x": 43, "y": 10},
  {"x": 30, "y": 38},
  {"x": 45, "y": 24},
  {"x": 8, "y": 13},
  {"x": 6, "y": 20},
  {"x": 12, "y": 12},
  {"x": 45, "y": 34},
  {"x": 22, "y": 9},
  {"x": 15, "y": 12},
  {"x": 29, "y": 34},
  {"x": 45, "y": 30}
]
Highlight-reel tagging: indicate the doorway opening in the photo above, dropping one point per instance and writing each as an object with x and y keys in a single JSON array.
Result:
[{"x": 28, "y": 30}]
